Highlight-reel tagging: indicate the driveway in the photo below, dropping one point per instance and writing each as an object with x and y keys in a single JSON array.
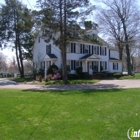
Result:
[{"x": 103, "y": 84}]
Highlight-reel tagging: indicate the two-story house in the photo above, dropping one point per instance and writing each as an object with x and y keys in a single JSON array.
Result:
[{"x": 91, "y": 53}]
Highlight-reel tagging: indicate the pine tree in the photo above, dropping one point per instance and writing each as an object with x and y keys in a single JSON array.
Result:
[{"x": 16, "y": 24}]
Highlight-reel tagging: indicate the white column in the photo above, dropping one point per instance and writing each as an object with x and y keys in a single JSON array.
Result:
[{"x": 45, "y": 74}]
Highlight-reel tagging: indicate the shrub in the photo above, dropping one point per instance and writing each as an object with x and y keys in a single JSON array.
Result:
[
  {"x": 51, "y": 69},
  {"x": 79, "y": 70},
  {"x": 72, "y": 76}
]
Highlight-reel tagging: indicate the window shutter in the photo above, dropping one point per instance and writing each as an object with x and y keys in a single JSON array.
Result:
[
  {"x": 97, "y": 50},
  {"x": 80, "y": 48},
  {"x": 71, "y": 47},
  {"x": 83, "y": 48},
  {"x": 100, "y": 51},
  {"x": 117, "y": 66},
  {"x": 92, "y": 49},
  {"x": 44, "y": 65},
  {"x": 105, "y": 65},
  {"x": 81, "y": 64},
  {"x": 105, "y": 50},
  {"x": 109, "y": 53},
  {"x": 71, "y": 64},
  {"x": 74, "y": 47},
  {"x": 74, "y": 65},
  {"x": 113, "y": 66},
  {"x": 89, "y": 50}
]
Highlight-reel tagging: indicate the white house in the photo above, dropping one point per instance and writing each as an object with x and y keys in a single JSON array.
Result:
[{"x": 91, "y": 56}]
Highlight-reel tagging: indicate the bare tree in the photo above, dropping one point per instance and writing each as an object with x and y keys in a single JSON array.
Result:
[
  {"x": 3, "y": 64},
  {"x": 121, "y": 21}
]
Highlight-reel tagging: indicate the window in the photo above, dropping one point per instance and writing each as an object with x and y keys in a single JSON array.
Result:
[
  {"x": 68, "y": 65},
  {"x": 115, "y": 66},
  {"x": 68, "y": 48},
  {"x": 103, "y": 65},
  {"x": 86, "y": 49},
  {"x": 102, "y": 50},
  {"x": 77, "y": 48},
  {"x": 72, "y": 64},
  {"x": 48, "y": 49},
  {"x": 95, "y": 66},
  {"x": 72, "y": 47},
  {"x": 77, "y": 63},
  {"x": 94, "y": 49}
]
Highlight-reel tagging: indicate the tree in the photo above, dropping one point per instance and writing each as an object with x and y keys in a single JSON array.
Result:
[
  {"x": 16, "y": 24},
  {"x": 121, "y": 20},
  {"x": 3, "y": 64},
  {"x": 59, "y": 17}
]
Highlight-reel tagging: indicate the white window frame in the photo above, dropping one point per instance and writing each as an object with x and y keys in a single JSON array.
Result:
[
  {"x": 77, "y": 63},
  {"x": 77, "y": 47}
]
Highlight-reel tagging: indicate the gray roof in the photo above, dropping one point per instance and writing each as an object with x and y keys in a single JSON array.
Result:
[
  {"x": 88, "y": 55},
  {"x": 52, "y": 55},
  {"x": 111, "y": 58}
]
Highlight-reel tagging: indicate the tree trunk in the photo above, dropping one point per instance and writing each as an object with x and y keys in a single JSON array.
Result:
[
  {"x": 63, "y": 42},
  {"x": 129, "y": 68},
  {"x": 21, "y": 59}
]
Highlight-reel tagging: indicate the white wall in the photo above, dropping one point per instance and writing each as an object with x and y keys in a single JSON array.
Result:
[
  {"x": 114, "y": 54},
  {"x": 110, "y": 66}
]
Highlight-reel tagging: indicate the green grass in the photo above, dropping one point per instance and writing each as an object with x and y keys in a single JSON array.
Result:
[
  {"x": 83, "y": 81},
  {"x": 68, "y": 115},
  {"x": 136, "y": 76},
  {"x": 18, "y": 79}
]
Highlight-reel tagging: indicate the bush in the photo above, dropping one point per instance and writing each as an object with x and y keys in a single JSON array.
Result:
[
  {"x": 72, "y": 76},
  {"x": 51, "y": 69},
  {"x": 40, "y": 72},
  {"x": 79, "y": 71},
  {"x": 117, "y": 75}
]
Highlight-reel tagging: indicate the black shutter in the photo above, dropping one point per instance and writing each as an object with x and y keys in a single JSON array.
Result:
[
  {"x": 100, "y": 50},
  {"x": 117, "y": 66},
  {"x": 83, "y": 48},
  {"x": 92, "y": 49},
  {"x": 109, "y": 53},
  {"x": 105, "y": 65},
  {"x": 74, "y": 65},
  {"x": 97, "y": 50},
  {"x": 71, "y": 47},
  {"x": 71, "y": 64},
  {"x": 105, "y": 50},
  {"x": 89, "y": 50},
  {"x": 80, "y": 48},
  {"x": 74, "y": 48},
  {"x": 80, "y": 63},
  {"x": 113, "y": 66}
]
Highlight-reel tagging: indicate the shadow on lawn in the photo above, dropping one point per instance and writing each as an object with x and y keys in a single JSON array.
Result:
[
  {"x": 79, "y": 87},
  {"x": 74, "y": 89}
]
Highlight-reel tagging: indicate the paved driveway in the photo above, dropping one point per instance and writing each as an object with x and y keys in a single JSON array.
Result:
[{"x": 103, "y": 84}]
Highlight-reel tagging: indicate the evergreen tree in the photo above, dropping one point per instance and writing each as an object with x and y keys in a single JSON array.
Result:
[{"x": 16, "y": 25}]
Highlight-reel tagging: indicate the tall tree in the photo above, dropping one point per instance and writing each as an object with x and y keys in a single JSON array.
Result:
[
  {"x": 121, "y": 20},
  {"x": 60, "y": 16},
  {"x": 16, "y": 24}
]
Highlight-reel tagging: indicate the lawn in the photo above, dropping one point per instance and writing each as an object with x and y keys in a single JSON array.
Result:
[
  {"x": 136, "y": 76},
  {"x": 68, "y": 115}
]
